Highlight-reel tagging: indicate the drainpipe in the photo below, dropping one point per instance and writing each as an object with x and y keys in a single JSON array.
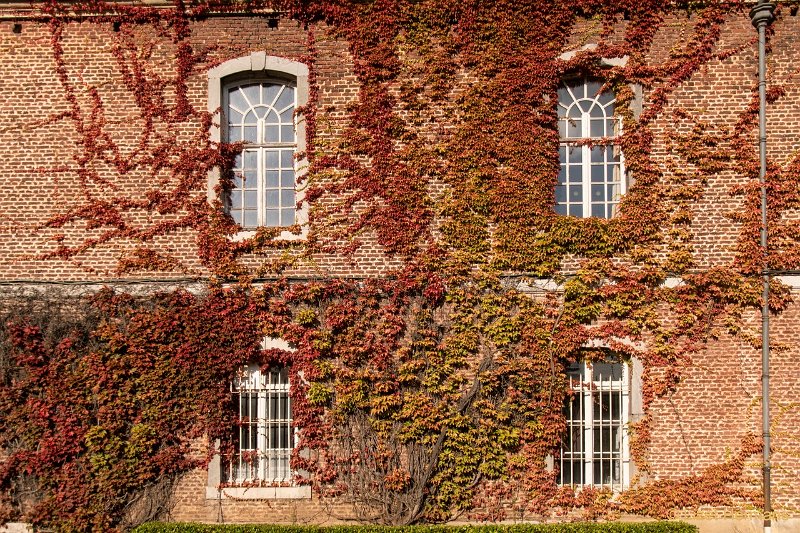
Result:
[{"x": 761, "y": 16}]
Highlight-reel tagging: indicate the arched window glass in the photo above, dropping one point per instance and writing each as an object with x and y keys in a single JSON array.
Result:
[
  {"x": 262, "y": 116},
  {"x": 591, "y": 179}
]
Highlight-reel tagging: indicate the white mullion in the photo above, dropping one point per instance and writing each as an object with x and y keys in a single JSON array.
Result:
[
  {"x": 270, "y": 448},
  {"x": 571, "y": 446},
  {"x": 238, "y": 459},
  {"x": 624, "y": 415},
  {"x": 586, "y": 165},
  {"x": 587, "y": 418},
  {"x": 262, "y": 405},
  {"x": 290, "y": 434},
  {"x": 261, "y": 185}
]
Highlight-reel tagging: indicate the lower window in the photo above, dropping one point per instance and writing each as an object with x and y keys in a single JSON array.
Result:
[
  {"x": 594, "y": 451},
  {"x": 263, "y": 438}
]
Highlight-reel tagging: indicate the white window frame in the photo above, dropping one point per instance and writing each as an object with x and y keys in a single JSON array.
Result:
[
  {"x": 586, "y": 393},
  {"x": 262, "y": 149},
  {"x": 217, "y": 488},
  {"x": 258, "y": 66},
  {"x": 583, "y": 100},
  {"x": 268, "y": 462}
]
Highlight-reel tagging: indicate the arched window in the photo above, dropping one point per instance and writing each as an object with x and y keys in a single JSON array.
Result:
[
  {"x": 261, "y": 115},
  {"x": 258, "y": 98},
  {"x": 591, "y": 180}
]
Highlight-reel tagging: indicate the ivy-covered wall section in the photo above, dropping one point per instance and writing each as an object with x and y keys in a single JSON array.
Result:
[{"x": 435, "y": 299}]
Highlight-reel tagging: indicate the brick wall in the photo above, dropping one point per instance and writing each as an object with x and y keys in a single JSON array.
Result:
[{"x": 701, "y": 424}]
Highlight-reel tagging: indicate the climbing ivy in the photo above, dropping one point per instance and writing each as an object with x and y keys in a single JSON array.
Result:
[{"x": 437, "y": 387}]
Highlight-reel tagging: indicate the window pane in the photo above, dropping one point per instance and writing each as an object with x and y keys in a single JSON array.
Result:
[
  {"x": 564, "y": 97},
  {"x": 234, "y": 134},
  {"x": 236, "y": 100},
  {"x": 271, "y": 133},
  {"x": 287, "y": 133},
  {"x": 605, "y": 371},
  {"x": 593, "y": 89},
  {"x": 285, "y": 99},
  {"x": 271, "y": 159},
  {"x": 269, "y": 91},
  {"x": 251, "y": 199},
  {"x": 236, "y": 199},
  {"x": 597, "y": 193},
  {"x": 250, "y": 159},
  {"x": 251, "y": 93},
  {"x": 602, "y": 406},
  {"x": 561, "y": 194},
  {"x": 287, "y": 217},
  {"x": 250, "y": 180},
  {"x": 273, "y": 407},
  {"x": 576, "y": 210},
  {"x": 272, "y": 198},
  {"x": 273, "y": 218},
  {"x": 605, "y": 98},
  {"x": 602, "y": 472},
  {"x": 250, "y": 134},
  {"x": 575, "y": 154},
  {"x": 599, "y": 210},
  {"x": 273, "y": 436},
  {"x": 602, "y": 442},
  {"x": 597, "y": 128},
  {"x": 287, "y": 179},
  {"x": 287, "y": 198},
  {"x": 576, "y": 193},
  {"x": 287, "y": 117},
  {"x": 598, "y": 173},
  {"x": 561, "y": 209},
  {"x": 574, "y": 128},
  {"x": 272, "y": 178},
  {"x": 287, "y": 158},
  {"x": 234, "y": 117},
  {"x": 598, "y": 153},
  {"x": 250, "y": 219}
]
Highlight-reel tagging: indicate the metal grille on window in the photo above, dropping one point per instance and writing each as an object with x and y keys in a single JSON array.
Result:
[
  {"x": 263, "y": 439},
  {"x": 261, "y": 115},
  {"x": 590, "y": 182},
  {"x": 594, "y": 451}
]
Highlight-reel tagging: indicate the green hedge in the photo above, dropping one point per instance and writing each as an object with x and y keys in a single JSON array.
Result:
[{"x": 610, "y": 527}]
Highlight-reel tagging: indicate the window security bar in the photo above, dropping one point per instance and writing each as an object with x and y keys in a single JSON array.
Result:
[{"x": 594, "y": 451}]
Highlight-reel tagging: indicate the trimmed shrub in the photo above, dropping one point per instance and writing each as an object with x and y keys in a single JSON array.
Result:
[{"x": 583, "y": 527}]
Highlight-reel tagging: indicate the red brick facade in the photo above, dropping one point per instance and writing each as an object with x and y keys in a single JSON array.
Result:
[{"x": 701, "y": 424}]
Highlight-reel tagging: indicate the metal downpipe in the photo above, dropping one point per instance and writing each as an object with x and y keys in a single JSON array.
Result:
[{"x": 761, "y": 16}]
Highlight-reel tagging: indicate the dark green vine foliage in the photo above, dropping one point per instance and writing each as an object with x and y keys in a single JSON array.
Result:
[{"x": 438, "y": 388}]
